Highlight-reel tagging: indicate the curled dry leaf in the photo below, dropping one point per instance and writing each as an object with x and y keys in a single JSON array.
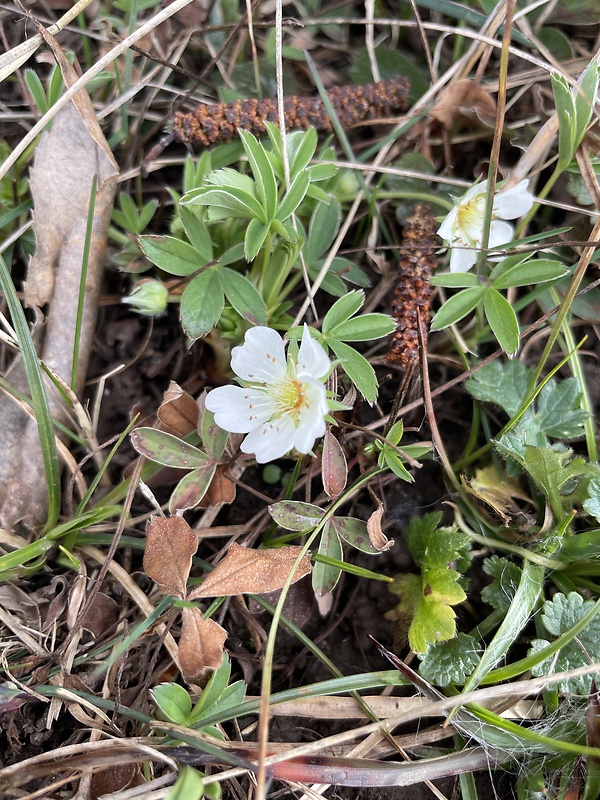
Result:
[
  {"x": 244, "y": 570},
  {"x": 178, "y": 411},
  {"x": 378, "y": 538},
  {"x": 464, "y": 99},
  {"x": 201, "y": 644},
  {"x": 170, "y": 545}
]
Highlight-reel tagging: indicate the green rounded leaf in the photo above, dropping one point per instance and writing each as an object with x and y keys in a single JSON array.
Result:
[
  {"x": 172, "y": 255},
  {"x": 360, "y": 372},
  {"x": 173, "y": 701},
  {"x": 202, "y": 304},
  {"x": 457, "y": 307},
  {"x": 502, "y": 320}
]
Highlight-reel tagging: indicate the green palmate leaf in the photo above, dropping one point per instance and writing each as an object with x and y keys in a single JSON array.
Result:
[
  {"x": 256, "y": 234},
  {"x": 323, "y": 227},
  {"x": 294, "y": 515},
  {"x": 173, "y": 702},
  {"x": 232, "y": 202},
  {"x": 364, "y": 328},
  {"x": 244, "y": 297},
  {"x": 358, "y": 369},
  {"x": 428, "y": 598},
  {"x": 302, "y": 154},
  {"x": 504, "y": 384},
  {"x": 166, "y": 449},
  {"x": 457, "y": 307},
  {"x": 198, "y": 234},
  {"x": 326, "y": 576},
  {"x": 172, "y": 255},
  {"x": 202, "y": 304},
  {"x": 392, "y": 460},
  {"x": 191, "y": 488},
  {"x": 294, "y": 196},
  {"x": 506, "y": 576},
  {"x": 530, "y": 273},
  {"x": 558, "y": 409},
  {"x": 354, "y": 532},
  {"x": 455, "y": 280},
  {"x": 560, "y": 615},
  {"x": 502, "y": 320},
  {"x": 342, "y": 310},
  {"x": 264, "y": 177},
  {"x": 450, "y": 662}
]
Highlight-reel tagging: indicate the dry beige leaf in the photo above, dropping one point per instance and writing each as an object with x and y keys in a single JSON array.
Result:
[
  {"x": 67, "y": 160},
  {"x": 201, "y": 644},
  {"x": 464, "y": 99},
  {"x": 378, "y": 538},
  {"x": 178, "y": 411},
  {"x": 221, "y": 490},
  {"x": 244, "y": 570},
  {"x": 170, "y": 545}
]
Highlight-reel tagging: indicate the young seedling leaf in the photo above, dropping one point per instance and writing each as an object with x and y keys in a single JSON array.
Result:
[
  {"x": 170, "y": 545},
  {"x": 173, "y": 702},
  {"x": 248, "y": 571}
]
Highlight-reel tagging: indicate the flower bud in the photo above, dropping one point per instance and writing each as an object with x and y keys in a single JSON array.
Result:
[{"x": 148, "y": 297}]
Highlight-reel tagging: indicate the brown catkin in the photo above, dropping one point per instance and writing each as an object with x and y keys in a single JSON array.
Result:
[
  {"x": 219, "y": 122},
  {"x": 413, "y": 291}
]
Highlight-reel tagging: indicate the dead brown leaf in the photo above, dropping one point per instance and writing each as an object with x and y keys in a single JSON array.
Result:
[
  {"x": 244, "y": 570},
  {"x": 67, "y": 160},
  {"x": 221, "y": 489},
  {"x": 378, "y": 538},
  {"x": 178, "y": 411},
  {"x": 201, "y": 644},
  {"x": 464, "y": 99},
  {"x": 170, "y": 545}
]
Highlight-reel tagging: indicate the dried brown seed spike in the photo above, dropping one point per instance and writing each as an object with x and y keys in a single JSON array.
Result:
[
  {"x": 216, "y": 123},
  {"x": 413, "y": 290}
]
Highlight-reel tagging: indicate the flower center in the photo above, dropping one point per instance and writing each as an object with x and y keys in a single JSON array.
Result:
[
  {"x": 470, "y": 219},
  {"x": 288, "y": 395}
]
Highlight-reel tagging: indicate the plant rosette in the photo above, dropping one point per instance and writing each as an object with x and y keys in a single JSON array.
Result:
[
  {"x": 282, "y": 403},
  {"x": 463, "y": 227}
]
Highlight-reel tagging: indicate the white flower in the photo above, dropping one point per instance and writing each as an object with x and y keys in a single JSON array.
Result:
[
  {"x": 283, "y": 404},
  {"x": 463, "y": 227}
]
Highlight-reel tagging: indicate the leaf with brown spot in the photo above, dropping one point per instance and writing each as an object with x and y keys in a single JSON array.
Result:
[
  {"x": 333, "y": 465},
  {"x": 178, "y": 411},
  {"x": 378, "y": 538},
  {"x": 201, "y": 644},
  {"x": 221, "y": 489},
  {"x": 170, "y": 545},
  {"x": 244, "y": 570}
]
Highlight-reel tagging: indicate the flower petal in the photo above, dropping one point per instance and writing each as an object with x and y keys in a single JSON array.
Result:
[
  {"x": 447, "y": 229},
  {"x": 238, "y": 409},
  {"x": 261, "y": 359},
  {"x": 312, "y": 358},
  {"x": 513, "y": 202},
  {"x": 500, "y": 233},
  {"x": 311, "y": 420},
  {"x": 462, "y": 259},
  {"x": 270, "y": 441}
]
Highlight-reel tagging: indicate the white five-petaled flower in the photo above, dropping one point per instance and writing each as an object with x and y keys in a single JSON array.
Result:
[
  {"x": 283, "y": 404},
  {"x": 463, "y": 227}
]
